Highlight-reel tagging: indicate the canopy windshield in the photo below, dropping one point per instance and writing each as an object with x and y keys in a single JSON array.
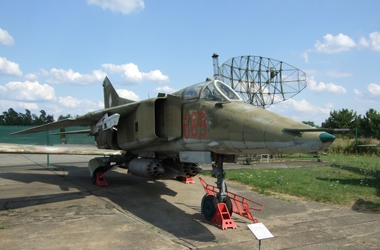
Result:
[{"x": 211, "y": 91}]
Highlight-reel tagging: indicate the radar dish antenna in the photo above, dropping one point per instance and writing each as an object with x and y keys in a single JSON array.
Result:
[{"x": 260, "y": 81}]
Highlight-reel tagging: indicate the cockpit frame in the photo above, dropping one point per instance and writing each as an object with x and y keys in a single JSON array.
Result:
[{"x": 215, "y": 91}]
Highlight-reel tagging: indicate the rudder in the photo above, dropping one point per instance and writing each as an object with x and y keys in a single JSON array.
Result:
[{"x": 111, "y": 98}]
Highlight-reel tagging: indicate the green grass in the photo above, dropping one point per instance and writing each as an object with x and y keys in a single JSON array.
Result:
[{"x": 345, "y": 180}]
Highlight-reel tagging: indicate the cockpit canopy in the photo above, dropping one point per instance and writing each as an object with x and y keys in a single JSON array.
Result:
[{"x": 214, "y": 90}]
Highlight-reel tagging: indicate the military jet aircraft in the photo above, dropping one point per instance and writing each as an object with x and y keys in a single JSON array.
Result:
[{"x": 173, "y": 133}]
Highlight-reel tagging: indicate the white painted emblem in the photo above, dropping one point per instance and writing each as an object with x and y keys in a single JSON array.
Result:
[{"x": 110, "y": 101}]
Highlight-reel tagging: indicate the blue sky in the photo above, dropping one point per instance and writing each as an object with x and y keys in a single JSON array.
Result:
[{"x": 55, "y": 54}]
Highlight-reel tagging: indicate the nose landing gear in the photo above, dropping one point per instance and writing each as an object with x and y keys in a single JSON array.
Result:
[
  {"x": 218, "y": 204},
  {"x": 211, "y": 200}
]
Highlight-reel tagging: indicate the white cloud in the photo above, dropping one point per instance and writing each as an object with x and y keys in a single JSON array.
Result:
[
  {"x": 301, "y": 110},
  {"x": 165, "y": 89},
  {"x": 327, "y": 88},
  {"x": 9, "y": 68},
  {"x": 131, "y": 73},
  {"x": 338, "y": 74},
  {"x": 371, "y": 93},
  {"x": 71, "y": 105},
  {"x": 31, "y": 77},
  {"x": 334, "y": 44},
  {"x": 374, "y": 89},
  {"x": 373, "y": 43},
  {"x": 27, "y": 91},
  {"x": 305, "y": 56},
  {"x": 5, "y": 38},
  {"x": 123, "y": 6},
  {"x": 128, "y": 94},
  {"x": 357, "y": 92},
  {"x": 156, "y": 76},
  {"x": 304, "y": 106},
  {"x": 331, "y": 44},
  {"x": 59, "y": 76},
  {"x": 100, "y": 105},
  {"x": 72, "y": 102},
  {"x": 17, "y": 105}
]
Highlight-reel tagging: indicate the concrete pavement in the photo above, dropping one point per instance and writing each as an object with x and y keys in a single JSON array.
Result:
[{"x": 57, "y": 207}]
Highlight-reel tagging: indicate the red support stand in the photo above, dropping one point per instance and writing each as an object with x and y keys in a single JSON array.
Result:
[
  {"x": 100, "y": 181},
  {"x": 223, "y": 218},
  {"x": 240, "y": 205},
  {"x": 187, "y": 180}
]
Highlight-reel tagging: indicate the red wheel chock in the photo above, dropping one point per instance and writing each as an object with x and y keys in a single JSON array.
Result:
[
  {"x": 240, "y": 205},
  {"x": 187, "y": 180},
  {"x": 100, "y": 181},
  {"x": 223, "y": 218}
]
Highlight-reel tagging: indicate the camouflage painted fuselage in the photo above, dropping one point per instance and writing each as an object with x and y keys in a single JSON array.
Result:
[{"x": 221, "y": 126}]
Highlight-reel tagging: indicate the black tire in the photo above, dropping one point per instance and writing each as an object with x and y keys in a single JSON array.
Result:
[
  {"x": 228, "y": 203},
  {"x": 93, "y": 177},
  {"x": 208, "y": 206}
]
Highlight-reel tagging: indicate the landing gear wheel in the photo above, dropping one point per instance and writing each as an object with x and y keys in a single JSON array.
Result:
[
  {"x": 93, "y": 177},
  {"x": 208, "y": 206},
  {"x": 228, "y": 203}
]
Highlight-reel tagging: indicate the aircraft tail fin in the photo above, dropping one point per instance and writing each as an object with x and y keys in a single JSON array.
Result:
[{"x": 111, "y": 98}]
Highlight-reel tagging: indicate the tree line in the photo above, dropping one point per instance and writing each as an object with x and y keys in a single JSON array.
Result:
[
  {"x": 11, "y": 117},
  {"x": 367, "y": 126}
]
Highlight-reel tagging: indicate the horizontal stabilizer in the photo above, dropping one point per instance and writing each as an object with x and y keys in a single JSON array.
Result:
[
  {"x": 84, "y": 131},
  {"x": 84, "y": 120},
  {"x": 298, "y": 131},
  {"x": 56, "y": 125},
  {"x": 64, "y": 150}
]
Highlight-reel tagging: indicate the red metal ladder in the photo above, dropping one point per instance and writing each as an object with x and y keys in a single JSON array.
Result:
[{"x": 240, "y": 205}]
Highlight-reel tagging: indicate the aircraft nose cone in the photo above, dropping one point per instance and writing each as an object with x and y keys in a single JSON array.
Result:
[{"x": 326, "y": 137}]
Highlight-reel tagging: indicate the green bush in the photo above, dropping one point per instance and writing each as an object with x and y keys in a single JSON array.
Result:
[{"x": 349, "y": 146}]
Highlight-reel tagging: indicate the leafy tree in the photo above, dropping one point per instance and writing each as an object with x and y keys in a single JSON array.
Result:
[
  {"x": 369, "y": 125},
  {"x": 310, "y": 123},
  {"x": 342, "y": 119},
  {"x": 62, "y": 117},
  {"x": 42, "y": 119},
  {"x": 11, "y": 117},
  {"x": 25, "y": 119}
]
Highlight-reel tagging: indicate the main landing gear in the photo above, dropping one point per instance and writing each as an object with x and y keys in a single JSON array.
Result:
[
  {"x": 209, "y": 204},
  {"x": 318, "y": 157}
]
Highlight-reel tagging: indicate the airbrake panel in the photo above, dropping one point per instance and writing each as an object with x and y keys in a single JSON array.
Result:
[{"x": 168, "y": 117}]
